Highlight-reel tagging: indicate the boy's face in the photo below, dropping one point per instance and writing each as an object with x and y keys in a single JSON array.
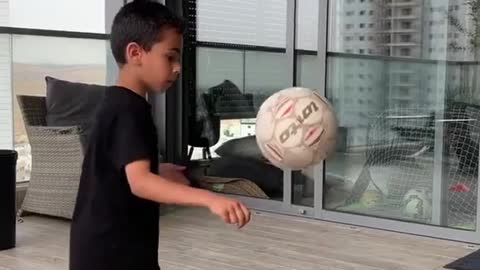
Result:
[{"x": 160, "y": 66}]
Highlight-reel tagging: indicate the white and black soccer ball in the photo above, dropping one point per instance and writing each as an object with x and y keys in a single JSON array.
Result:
[{"x": 296, "y": 128}]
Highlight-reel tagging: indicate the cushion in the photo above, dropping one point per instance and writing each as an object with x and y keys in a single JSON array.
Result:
[
  {"x": 72, "y": 104},
  {"x": 237, "y": 186},
  {"x": 267, "y": 177},
  {"x": 241, "y": 147},
  {"x": 226, "y": 98}
]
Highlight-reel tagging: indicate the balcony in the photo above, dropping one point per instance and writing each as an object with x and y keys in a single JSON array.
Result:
[
  {"x": 380, "y": 158},
  {"x": 401, "y": 17},
  {"x": 399, "y": 30},
  {"x": 401, "y": 44},
  {"x": 403, "y": 4},
  {"x": 193, "y": 239}
]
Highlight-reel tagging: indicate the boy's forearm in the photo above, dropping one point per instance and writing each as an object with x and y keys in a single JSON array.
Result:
[{"x": 156, "y": 188}]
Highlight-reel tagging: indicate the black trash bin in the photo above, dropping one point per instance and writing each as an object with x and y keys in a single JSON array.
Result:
[{"x": 8, "y": 164}]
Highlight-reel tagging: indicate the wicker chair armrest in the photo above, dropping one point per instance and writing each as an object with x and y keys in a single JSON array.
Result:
[
  {"x": 56, "y": 131},
  {"x": 57, "y": 158},
  {"x": 55, "y": 139}
]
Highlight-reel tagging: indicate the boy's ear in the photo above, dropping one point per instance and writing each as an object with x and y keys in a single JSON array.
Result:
[{"x": 133, "y": 53}]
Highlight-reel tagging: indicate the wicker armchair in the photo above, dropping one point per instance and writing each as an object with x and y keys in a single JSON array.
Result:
[{"x": 56, "y": 162}]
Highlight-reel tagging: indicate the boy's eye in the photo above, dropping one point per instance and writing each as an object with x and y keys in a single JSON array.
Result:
[{"x": 171, "y": 58}]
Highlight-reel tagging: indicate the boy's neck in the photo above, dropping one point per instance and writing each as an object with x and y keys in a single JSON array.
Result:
[{"x": 126, "y": 80}]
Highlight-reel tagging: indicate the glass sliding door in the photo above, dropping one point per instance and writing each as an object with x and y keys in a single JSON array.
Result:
[
  {"x": 241, "y": 58},
  {"x": 402, "y": 76}
]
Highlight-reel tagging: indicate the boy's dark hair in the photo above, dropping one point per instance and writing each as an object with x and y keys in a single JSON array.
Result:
[{"x": 143, "y": 22}]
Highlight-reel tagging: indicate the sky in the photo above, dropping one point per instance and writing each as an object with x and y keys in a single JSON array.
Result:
[{"x": 68, "y": 15}]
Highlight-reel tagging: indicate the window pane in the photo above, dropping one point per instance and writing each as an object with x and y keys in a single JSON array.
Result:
[
  {"x": 6, "y": 138},
  {"x": 259, "y": 71},
  {"x": 77, "y": 60},
  {"x": 231, "y": 84},
  {"x": 408, "y": 124},
  {"x": 251, "y": 22},
  {"x": 78, "y": 16},
  {"x": 4, "y": 13},
  {"x": 217, "y": 65},
  {"x": 307, "y": 25}
]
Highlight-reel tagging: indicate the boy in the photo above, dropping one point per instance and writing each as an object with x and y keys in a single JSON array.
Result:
[{"x": 116, "y": 219}]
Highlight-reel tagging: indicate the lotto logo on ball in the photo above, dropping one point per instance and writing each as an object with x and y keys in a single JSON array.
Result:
[
  {"x": 312, "y": 135},
  {"x": 296, "y": 128}
]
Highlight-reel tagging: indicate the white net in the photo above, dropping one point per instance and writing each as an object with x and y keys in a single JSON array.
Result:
[
  {"x": 401, "y": 157},
  {"x": 461, "y": 149}
]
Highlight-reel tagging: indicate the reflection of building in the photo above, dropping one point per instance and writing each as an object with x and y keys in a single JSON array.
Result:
[{"x": 417, "y": 29}]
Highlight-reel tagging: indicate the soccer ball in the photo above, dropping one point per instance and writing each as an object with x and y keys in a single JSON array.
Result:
[
  {"x": 417, "y": 204},
  {"x": 296, "y": 128},
  {"x": 371, "y": 198}
]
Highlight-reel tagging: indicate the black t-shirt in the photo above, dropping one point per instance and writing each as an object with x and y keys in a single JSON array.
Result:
[{"x": 111, "y": 227}]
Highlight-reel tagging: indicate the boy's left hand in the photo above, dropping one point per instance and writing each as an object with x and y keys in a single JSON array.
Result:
[{"x": 173, "y": 172}]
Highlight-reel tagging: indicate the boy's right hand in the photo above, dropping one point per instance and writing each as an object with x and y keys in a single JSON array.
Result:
[{"x": 230, "y": 210}]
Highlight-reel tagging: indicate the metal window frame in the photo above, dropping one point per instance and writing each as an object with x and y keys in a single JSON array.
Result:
[
  {"x": 52, "y": 33},
  {"x": 171, "y": 107}
]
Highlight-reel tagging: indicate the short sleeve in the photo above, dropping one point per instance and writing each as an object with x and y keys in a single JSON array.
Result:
[{"x": 130, "y": 139}]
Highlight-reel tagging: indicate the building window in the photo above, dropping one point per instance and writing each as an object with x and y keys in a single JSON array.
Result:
[
  {"x": 404, "y": 78},
  {"x": 406, "y": 11},
  {"x": 406, "y": 25},
  {"x": 406, "y": 38},
  {"x": 404, "y": 91},
  {"x": 405, "y": 51}
]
